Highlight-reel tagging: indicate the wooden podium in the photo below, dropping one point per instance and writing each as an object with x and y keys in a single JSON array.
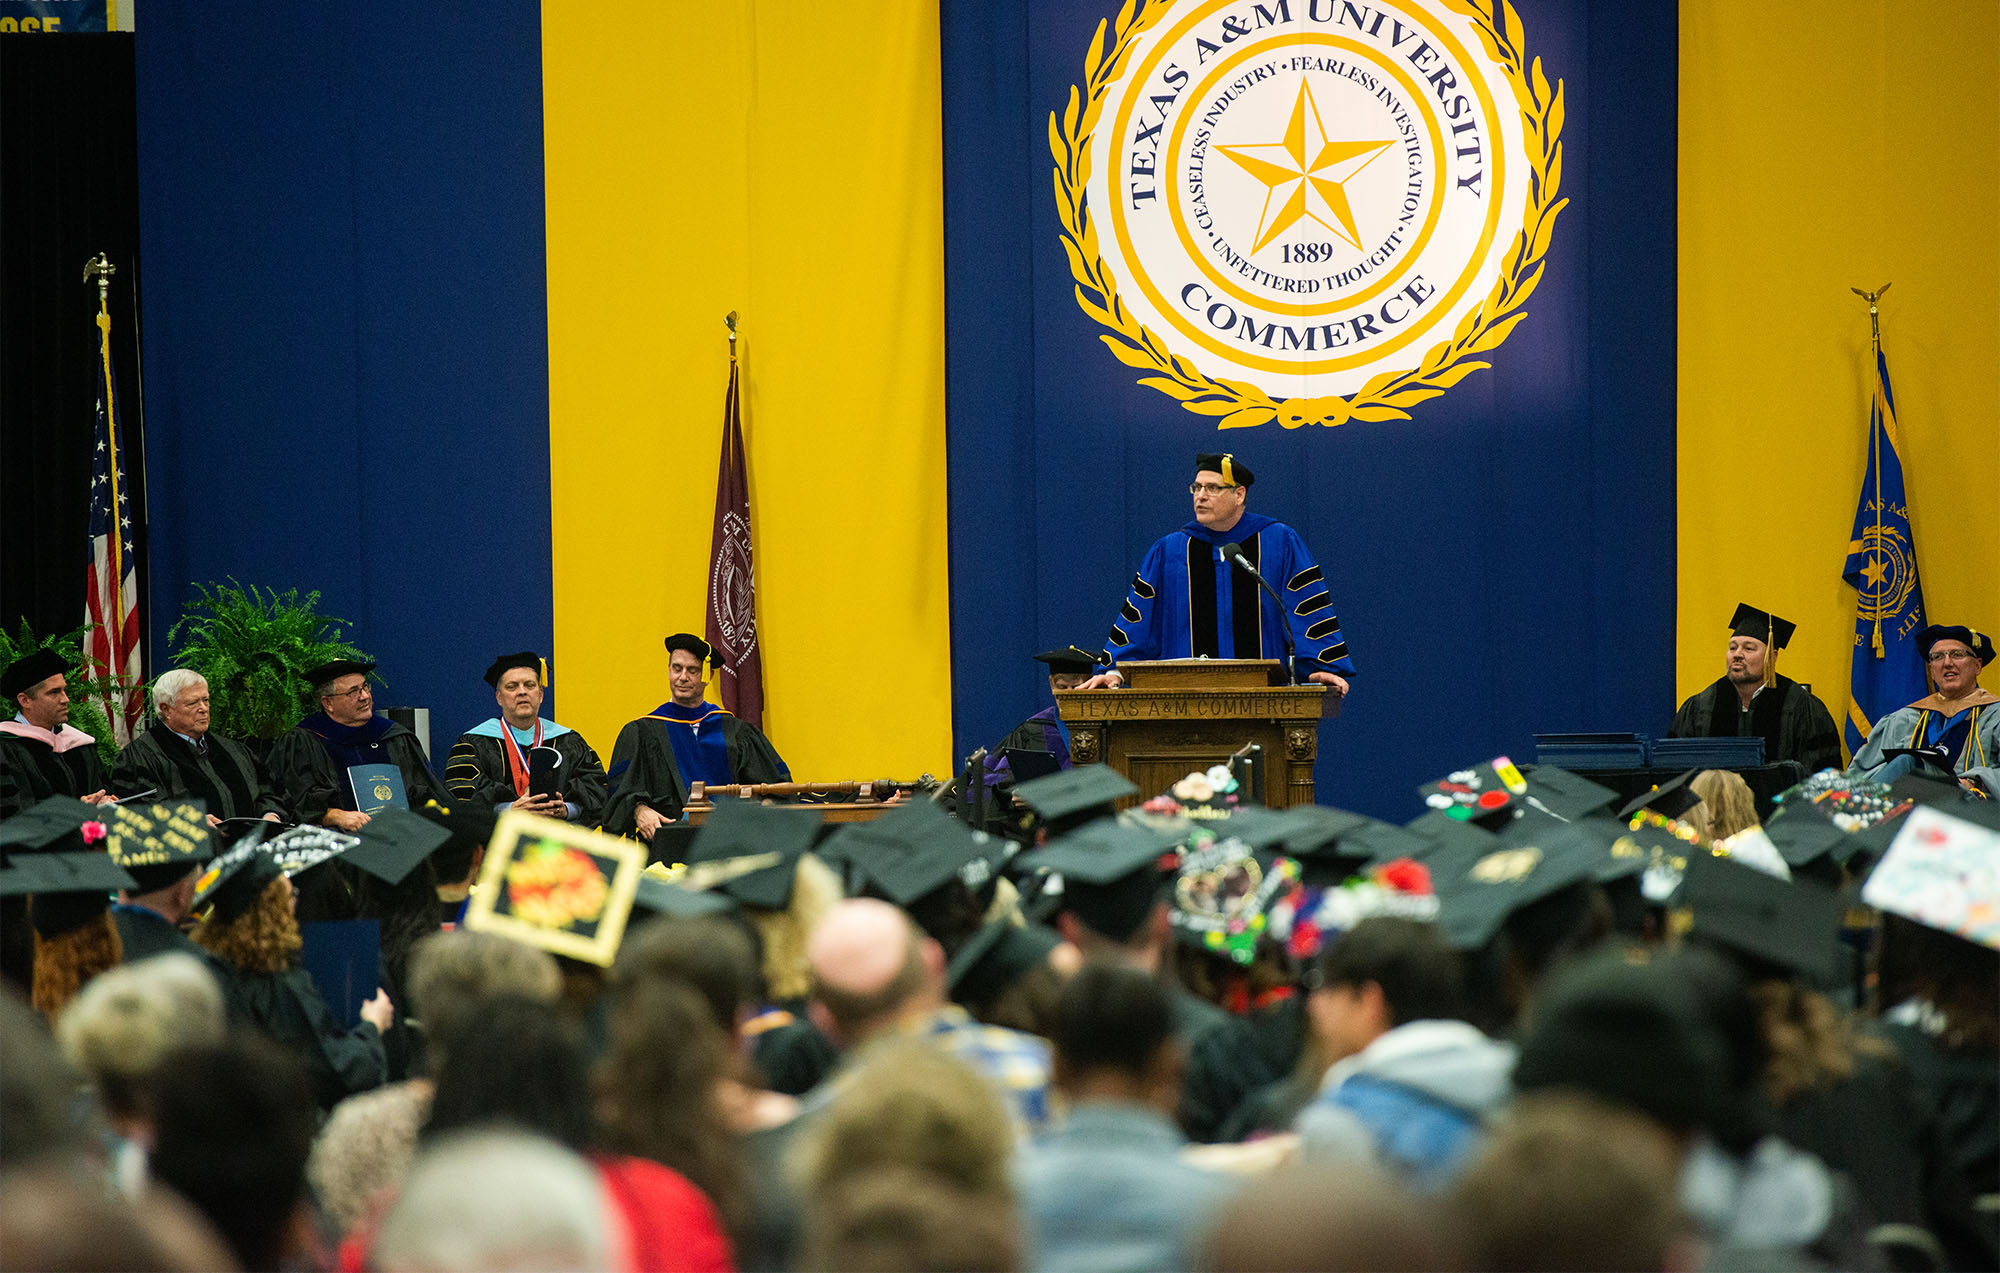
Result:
[{"x": 1180, "y": 715}]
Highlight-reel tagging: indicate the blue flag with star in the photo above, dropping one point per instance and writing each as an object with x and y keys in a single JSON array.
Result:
[{"x": 1881, "y": 567}]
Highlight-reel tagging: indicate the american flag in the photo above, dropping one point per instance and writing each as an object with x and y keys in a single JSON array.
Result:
[{"x": 112, "y": 595}]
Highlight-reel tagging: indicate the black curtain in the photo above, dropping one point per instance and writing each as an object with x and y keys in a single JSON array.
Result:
[{"x": 69, "y": 189}]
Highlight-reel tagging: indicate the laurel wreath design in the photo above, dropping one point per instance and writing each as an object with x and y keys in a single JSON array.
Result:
[{"x": 1388, "y": 396}]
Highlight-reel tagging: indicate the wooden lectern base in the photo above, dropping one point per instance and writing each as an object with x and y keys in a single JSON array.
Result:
[{"x": 1177, "y": 716}]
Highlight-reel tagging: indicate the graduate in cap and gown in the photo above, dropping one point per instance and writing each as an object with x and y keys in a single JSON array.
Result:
[
  {"x": 1958, "y": 725},
  {"x": 309, "y": 762},
  {"x": 684, "y": 740},
  {"x": 1068, "y": 668},
  {"x": 1752, "y": 698},
  {"x": 492, "y": 762},
  {"x": 1190, "y": 600},
  {"x": 41, "y": 753}
]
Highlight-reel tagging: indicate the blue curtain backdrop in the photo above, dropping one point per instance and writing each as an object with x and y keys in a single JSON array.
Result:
[
  {"x": 346, "y": 338},
  {"x": 1502, "y": 564}
]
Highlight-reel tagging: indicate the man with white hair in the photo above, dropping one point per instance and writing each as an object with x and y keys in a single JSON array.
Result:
[
  {"x": 180, "y": 758},
  {"x": 498, "y": 1199}
]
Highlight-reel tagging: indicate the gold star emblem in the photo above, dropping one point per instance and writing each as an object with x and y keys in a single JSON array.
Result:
[
  {"x": 1303, "y": 175},
  {"x": 1874, "y": 571}
]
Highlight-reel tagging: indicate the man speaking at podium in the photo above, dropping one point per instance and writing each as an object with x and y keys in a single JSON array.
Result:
[{"x": 1197, "y": 592}]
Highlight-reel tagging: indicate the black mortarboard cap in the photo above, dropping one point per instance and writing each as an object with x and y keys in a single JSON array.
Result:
[
  {"x": 1566, "y": 795},
  {"x": 1479, "y": 886},
  {"x": 334, "y": 670},
  {"x": 1255, "y": 826},
  {"x": 1788, "y": 925},
  {"x": 157, "y": 844},
  {"x": 73, "y": 889},
  {"x": 664, "y": 897},
  {"x": 1068, "y": 659},
  {"x": 738, "y": 831},
  {"x": 1075, "y": 796},
  {"x": 1386, "y": 842},
  {"x": 1110, "y": 872},
  {"x": 394, "y": 842},
  {"x": 1487, "y": 792},
  {"x": 1323, "y": 842},
  {"x": 37, "y": 827},
  {"x": 508, "y": 662},
  {"x": 1803, "y": 839},
  {"x": 1233, "y": 470},
  {"x": 1749, "y": 621},
  {"x": 236, "y": 879},
  {"x": 1669, "y": 800},
  {"x": 998, "y": 955},
  {"x": 1438, "y": 830},
  {"x": 470, "y": 824},
  {"x": 910, "y": 852},
  {"x": 692, "y": 644},
  {"x": 30, "y": 670}
]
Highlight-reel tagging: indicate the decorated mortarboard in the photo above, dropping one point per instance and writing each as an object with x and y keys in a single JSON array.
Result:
[
  {"x": 1562, "y": 794},
  {"x": 1669, "y": 800},
  {"x": 913, "y": 851},
  {"x": 157, "y": 844},
  {"x": 1203, "y": 796},
  {"x": 997, "y": 956},
  {"x": 557, "y": 887},
  {"x": 660, "y": 892},
  {"x": 1662, "y": 853},
  {"x": 233, "y": 881},
  {"x": 1944, "y": 873},
  {"x": 1791, "y": 925},
  {"x": 1223, "y": 895},
  {"x": 508, "y": 662},
  {"x": 751, "y": 851},
  {"x": 303, "y": 848},
  {"x": 1479, "y": 886},
  {"x": 1069, "y": 659},
  {"x": 1307, "y": 919},
  {"x": 394, "y": 842},
  {"x": 30, "y": 670},
  {"x": 1233, "y": 470},
  {"x": 692, "y": 644},
  {"x": 335, "y": 669},
  {"x": 1754, "y": 848},
  {"x": 59, "y": 855},
  {"x": 1980, "y": 643},
  {"x": 1074, "y": 796},
  {"x": 1487, "y": 792},
  {"x": 1749, "y": 621}
]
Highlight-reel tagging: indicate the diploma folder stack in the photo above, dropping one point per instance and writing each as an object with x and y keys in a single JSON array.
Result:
[{"x": 1578, "y": 752}]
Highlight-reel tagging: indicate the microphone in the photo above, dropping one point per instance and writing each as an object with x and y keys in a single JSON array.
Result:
[{"x": 1234, "y": 552}]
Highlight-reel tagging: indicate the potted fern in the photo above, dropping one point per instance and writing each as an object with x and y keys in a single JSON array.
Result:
[
  {"x": 253, "y": 648},
  {"x": 86, "y": 694}
]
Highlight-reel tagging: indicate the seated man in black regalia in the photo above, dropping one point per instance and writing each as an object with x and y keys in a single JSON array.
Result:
[
  {"x": 41, "y": 753},
  {"x": 683, "y": 741},
  {"x": 309, "y": 763},
  {"x": 492, "y": 761},
  {"x": 181, "y": 758},
  {"x": 1751, "y": 698}
]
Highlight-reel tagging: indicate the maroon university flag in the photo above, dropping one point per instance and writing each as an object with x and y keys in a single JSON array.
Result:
[{"x": 732, "y": 588}]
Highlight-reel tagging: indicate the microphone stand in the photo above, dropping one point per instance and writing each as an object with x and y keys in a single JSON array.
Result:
[{"x": 1235, "y": 554}]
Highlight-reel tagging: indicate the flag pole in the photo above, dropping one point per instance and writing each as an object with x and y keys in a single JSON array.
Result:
[
  {"x": 1875, "y": 422},
  {"x": 729, "y": 321}
]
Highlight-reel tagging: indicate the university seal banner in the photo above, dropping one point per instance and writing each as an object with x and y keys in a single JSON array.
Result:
[{"x": 1307, "y": 211}]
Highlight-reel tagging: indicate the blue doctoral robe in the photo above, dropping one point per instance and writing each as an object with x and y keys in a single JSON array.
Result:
[{"x": 1189, "y": 601}]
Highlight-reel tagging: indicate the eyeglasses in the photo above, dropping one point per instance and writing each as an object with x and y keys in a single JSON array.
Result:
[
  {"x": 355, "y": 693},
  {"x": 1956, "y": 656},
  {"x": 1208, "y": 488}
]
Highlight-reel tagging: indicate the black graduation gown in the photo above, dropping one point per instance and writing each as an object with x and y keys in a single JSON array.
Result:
[
  {"x": 476, "y": 770},
  {"x": 287, "y": 1007},
  {"x": 143, "y": 934},
  {"x": 228, "y": 779},
  {"x": 31, "y": 771},
  {"x": 644, "y": 772},
  {"x": 309, "y": 783},
  {"x": 1792, "y": 721}
]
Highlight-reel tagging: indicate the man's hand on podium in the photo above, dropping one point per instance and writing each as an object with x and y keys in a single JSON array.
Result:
[
  {"x": 1338, "y": 683},
  {"x": 1104, "y": 681}
]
